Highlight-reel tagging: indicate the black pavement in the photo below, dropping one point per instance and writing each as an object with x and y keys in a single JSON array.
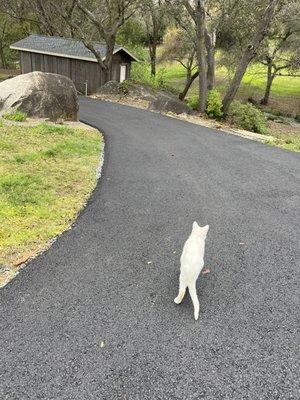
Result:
[{"x": 93, "y": 317}]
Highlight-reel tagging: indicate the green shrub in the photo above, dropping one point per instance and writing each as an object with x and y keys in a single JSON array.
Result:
[
  {"x": 141, "y": 73},
  {"x": 214, "y": 104},
  {"x": 17, "y": 116},
  {"x": 125, "y": 86},
  {"x": 278, "y": 113},
  {"x": 193, "y": 102},
  {"x": 247, "y": 116}
]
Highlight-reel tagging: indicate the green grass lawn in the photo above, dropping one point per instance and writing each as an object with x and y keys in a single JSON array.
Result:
[
  {"x": 285, "y": 141},
  {"x": 285, "y": 93},
  {"x": 47, "y": 172},
  {"x": 285, "y": 96},
  {"x": 287, "y": 86}
]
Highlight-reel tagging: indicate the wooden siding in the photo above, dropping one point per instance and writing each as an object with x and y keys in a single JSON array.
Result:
[
  {"x": 25, "y": 62},
  {"x": 79, "y": 71}
]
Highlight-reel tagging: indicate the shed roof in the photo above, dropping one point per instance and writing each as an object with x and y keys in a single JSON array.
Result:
[{"x": 63, "y": 47}]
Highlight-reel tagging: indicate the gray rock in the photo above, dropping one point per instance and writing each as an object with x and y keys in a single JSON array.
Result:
[
  {"x": 142, "y": 92},
  {"x": 169, "y": 104},
  {"x": 111, "y": 87},
  {"x": 40, "y": 95},
  {"x": 134, "y": 90}
]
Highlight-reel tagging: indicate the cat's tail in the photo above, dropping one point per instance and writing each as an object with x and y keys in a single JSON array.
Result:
[{"x": 194, "y": 297}]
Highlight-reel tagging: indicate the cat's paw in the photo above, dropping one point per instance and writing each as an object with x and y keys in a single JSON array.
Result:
[{"x": 177, "y": 300}]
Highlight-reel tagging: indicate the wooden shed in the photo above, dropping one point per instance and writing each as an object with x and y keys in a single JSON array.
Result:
[{"x": 71, "y": 58}]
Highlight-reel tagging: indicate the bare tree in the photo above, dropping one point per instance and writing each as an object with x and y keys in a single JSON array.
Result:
[
  {"x": 249, "y": 54},
  {"x": 3, "y": 40},
  {"x": 97, "y": 20},
  {"x": 210, "y": 40},
  {"x": 13, "y": 26},
  {"x": 106, "y": 17},
  {"x": 188, "y": 25},
  {"x": 180, "y": 46},
  {"x": 196, "y": 11},
  {"x": 46, "y": 19},
  {"x": 153, "y": 13},
  {"x": 281, "y": 52},
  {"x": 20, "y": 12}
]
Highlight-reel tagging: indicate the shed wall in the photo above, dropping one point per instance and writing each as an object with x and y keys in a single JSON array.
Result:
[{"x": 79, "y": 71}]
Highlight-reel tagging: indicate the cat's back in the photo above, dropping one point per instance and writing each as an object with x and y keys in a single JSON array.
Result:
[{"x": 192, "y": 253}]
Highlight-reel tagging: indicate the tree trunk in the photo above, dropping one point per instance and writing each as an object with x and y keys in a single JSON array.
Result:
[
  {"x": 210, "y": 49},
  {"x": 152, "y": 52},
  {"x": 188, "y": 83},
  {"x": 270, "y": 78},
  {"x": 106, "y": 65},
  {"x": 110, "y": 45},
  {"x": 188, "y": 73},
  {"x": 3, "y": 63},
  {"x": 248, "y": 55},
  {"x": 200, "y": 27}
]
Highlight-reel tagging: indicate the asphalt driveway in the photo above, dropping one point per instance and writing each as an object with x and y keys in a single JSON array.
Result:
[{"x": 94, "y": 318}]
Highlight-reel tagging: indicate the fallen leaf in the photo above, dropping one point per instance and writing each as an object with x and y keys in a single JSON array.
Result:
[
  {"x": 102, "y": 344},
  {"x": 206, "y": 271},
  {"x": 174, "y": 252},
  {"x": 149, "y": 262}
]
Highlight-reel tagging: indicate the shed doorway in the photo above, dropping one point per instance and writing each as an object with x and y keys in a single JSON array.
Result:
[{"x": 122, "y": 73}]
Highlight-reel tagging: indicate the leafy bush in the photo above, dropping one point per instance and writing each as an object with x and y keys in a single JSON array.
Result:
[
  {"x": 214, "y": 104},
  {"x": 248, "y": 117},
  {"x": 141, "y": 73},
  {"x": 17, "y": 116},
  {"x": 193, "y": 102},
  {"x": 125, "y": 86},
  {"x": 275, "y": 112},
  {"x": 271, "y": 117}
]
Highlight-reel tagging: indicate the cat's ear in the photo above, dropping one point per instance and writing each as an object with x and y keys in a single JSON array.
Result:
[
  {"x": 200, "y": 230},
  {"x": 205, "y": 229},
  {"x": 195, "y": 225}
]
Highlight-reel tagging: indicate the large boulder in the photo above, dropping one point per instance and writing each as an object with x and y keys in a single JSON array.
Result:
[
  {"x": 134, "y": 90},
  {"x": 40, "y": 95},
  {"x": 169, "y": 104},
  {"x": 110, "y": 88},
  {"x": 143, "y": 92}
]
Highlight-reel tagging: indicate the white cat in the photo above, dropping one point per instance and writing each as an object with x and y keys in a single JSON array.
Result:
[{"x": 192, "y": 262}]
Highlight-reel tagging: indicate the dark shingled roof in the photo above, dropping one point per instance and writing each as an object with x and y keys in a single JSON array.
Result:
[{"x": 63, "y": 47}]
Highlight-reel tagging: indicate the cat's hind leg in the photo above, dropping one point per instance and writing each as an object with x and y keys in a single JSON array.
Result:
[
  {"x": 194, "y": 297},
  {"x": 182, "y": 289}
]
